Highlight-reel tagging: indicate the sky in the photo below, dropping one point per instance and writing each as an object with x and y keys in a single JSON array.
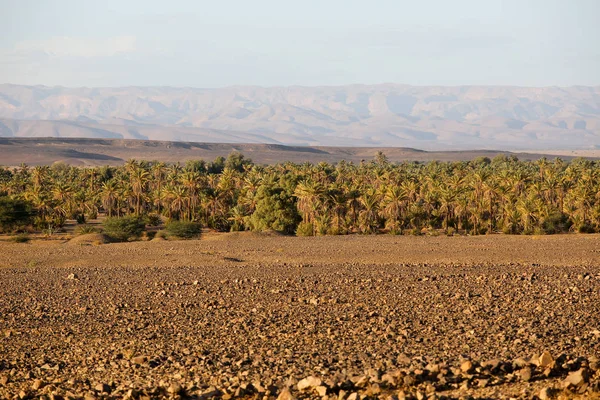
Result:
[{"x": 208, "y": 43}]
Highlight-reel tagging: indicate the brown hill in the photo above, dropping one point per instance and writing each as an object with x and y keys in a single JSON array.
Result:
[{"x": 45, "y": 151}]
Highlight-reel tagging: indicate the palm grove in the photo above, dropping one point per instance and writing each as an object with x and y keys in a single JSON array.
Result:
[{"x": 233, "y": 194}]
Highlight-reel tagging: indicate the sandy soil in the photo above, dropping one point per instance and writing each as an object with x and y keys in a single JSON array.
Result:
[
  {"x": 570, "y": 153},
  {"x": 335, "y": 317},
  {"x": 98, "y": 152}
]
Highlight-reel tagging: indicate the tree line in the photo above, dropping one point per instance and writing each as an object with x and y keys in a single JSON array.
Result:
[{"x": 233, "y": 194}]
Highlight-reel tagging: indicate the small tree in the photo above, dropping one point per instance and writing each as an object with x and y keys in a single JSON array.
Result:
[
  {"x": 237, "y": 162},
  {"x": 275, "y": 209},
  {"x": 217, "y": 166},
  {"x": 124, "y": 228}
]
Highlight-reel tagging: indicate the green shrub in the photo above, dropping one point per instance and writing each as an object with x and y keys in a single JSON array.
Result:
[
  {"x": 14, "y": 214},
  {"x": 161, "y": 234},
  {"x": 556, "y": 223},
  {"x": 334, "y": 230},
  {"x": 153, "y": 220},
  {"x": 305, "y": 229},
  {"x": 80, "y": 218},
  {"x": 21, "y": 238},
  {"x": 85, "y": 229},
  {"x": 124, "y": 228},
  {"x": 184, "y": 229},
  {"x": 414, "y": 232},
  {"x": 51, "y": 230},
  {"x": 57, "y": 221},
  {"x": 586, "y": 228}
]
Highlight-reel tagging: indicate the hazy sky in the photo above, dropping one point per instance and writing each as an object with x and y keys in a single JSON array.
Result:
[{"x": 210, "y": 43}]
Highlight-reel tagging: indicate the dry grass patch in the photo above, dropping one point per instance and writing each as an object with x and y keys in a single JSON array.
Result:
[{"x": 89, "y": 239}]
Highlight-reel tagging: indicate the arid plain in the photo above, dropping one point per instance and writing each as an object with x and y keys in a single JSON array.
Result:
[{"x": 268, "y": 316}]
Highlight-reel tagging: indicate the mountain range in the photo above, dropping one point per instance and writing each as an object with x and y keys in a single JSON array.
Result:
[{"x": 386, "y": 115}]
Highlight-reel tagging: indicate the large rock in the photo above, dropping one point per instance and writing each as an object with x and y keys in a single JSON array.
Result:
[
  {"x": 466, "y": 367},
  {"x": 139, "y": 360},
  {"x": 286, "y": 394},
  {"x": 309, "y": 383},
  {"x": 525, "y": 374},
  {"x": 546, "y": 360},
  {"x": 548, "y": 393},
  {"x": 577, "y": 378},
  {"x": 102, "y": 388}
]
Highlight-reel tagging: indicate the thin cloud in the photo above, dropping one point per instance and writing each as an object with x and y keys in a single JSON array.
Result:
[{"x": 66, "y": 46}]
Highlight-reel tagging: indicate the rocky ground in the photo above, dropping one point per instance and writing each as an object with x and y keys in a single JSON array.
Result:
[{"x": 280, "y": 317}]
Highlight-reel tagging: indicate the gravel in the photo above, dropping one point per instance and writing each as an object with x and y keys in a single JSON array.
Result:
[{"x": 292, "y": 318}]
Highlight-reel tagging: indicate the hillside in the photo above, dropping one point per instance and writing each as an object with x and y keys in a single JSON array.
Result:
[
  {"x": 432, "y": 118},
  {"x": 78, "y": 151}
]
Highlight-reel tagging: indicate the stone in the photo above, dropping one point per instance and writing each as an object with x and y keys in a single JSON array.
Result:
[
  {"x": 576, "y": 378},
  {"x": 409, "y": 380},
  {"x": 139, "y": 360},
  {"x": 174, "y": 388},
  {"x": 492, "y": 365},
  {"x": 466, "y": 366},
  {"x": 321, "y": 390},
  {"x": 102, "y": 388},
  {"x": 4, "y": 379},
  {"x": 545, "y": 360},
  {"x": 362, "y": 381},
  {"x": 521, "y": 363},
  {"x": 548, "y": 393},
  {"x": 389, "y": 380},
  {"x": 210, "y": 393},
  {"x": 309, "y": 382},
  {"x": 286, "y": 394},
  {"x": 373, "y": 390},
  {"x": 72, "y": 277},
  {"x": 37, "y": 384},
  {"x": 525, "y": 374}
]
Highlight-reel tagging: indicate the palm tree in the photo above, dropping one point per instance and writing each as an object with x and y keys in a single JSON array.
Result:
[
  {"x": 64, "y": 196},
  {"x": 39, "y": 175},
  {"x": 109, "y": 196},
  {"x": 394, "y": 202},
  {"x": 177, "y": 199},
  {"x": 310, "y": 197},
  {"x": 505, "y": 194},
  {"x": 338, "y": 200},
  {"x": 369, "y": 214},
  {"x": 138, "y": 179},
  {"x": 190, "y": 181}
]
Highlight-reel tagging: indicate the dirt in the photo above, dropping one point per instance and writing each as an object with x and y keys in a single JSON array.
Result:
[
  {"x": 285, "y": 317},
  {"x": 100, "y": 152}
]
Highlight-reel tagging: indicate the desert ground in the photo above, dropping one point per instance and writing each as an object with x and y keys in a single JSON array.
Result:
[
  {"x": 99, "y": 152},
  {"x": 267, "y": 316}
]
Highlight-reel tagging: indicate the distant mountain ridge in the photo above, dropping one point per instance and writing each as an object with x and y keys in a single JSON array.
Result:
[{"x": 432, "y": 118}]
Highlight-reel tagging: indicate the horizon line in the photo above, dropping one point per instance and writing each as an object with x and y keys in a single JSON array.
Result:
[{"x": 303, "y": 86}]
